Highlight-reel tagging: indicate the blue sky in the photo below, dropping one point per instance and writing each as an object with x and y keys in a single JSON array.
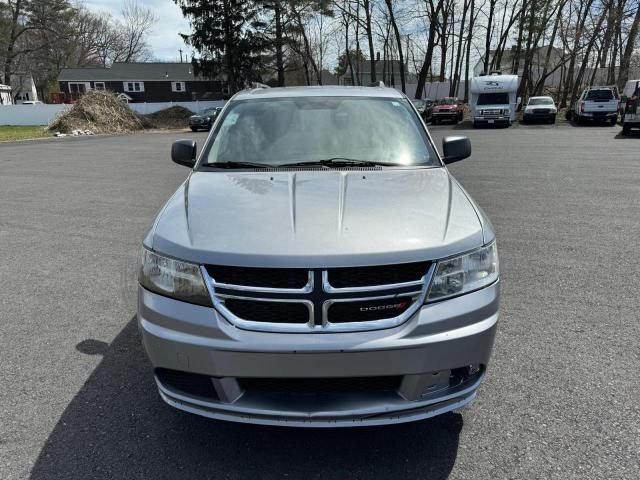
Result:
[{"x": 164, "y": 40}]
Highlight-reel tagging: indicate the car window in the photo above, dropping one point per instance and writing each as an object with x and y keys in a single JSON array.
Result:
[
  {"x": 604, "y": 94},
  {"x": 309, "y": 129},
  {"x": 541, "y": 101},
  {"x": 493, "y": 99}
]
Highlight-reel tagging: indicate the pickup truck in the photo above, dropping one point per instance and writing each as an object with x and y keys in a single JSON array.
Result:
[
  {"x": 598, "y": 104},
  {"x": 629, "y": 107}
]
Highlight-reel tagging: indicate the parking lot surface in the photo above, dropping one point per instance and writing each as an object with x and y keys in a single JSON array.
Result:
[{"x": 560, "y": 400}]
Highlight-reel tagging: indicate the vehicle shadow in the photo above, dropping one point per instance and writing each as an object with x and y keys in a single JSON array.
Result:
[
  {"x": 632, "y": 135},
  {"x": 117, "y": 427}
]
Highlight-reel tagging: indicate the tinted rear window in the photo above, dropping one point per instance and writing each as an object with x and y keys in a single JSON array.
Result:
[{"x": 602, "y": 95}]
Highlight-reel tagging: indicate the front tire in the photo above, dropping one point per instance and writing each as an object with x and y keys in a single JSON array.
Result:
[
  {"x": 552, "y": 120},
  {"x": 626, "y": 130},
  {"x": 194, "y": 129},
  {"x": 434, "y": 121}
]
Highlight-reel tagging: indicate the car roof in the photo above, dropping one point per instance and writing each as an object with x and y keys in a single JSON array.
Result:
[
  {"x": 541, "y": 96},
  {"x": 318, "y": 91}
]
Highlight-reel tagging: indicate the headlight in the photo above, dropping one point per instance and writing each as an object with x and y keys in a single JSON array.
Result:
[
  {"x": 465, "y": 273},
  {"x": 173, "y": 278}
]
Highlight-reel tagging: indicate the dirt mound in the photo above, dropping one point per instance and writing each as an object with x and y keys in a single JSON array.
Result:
[
  {"x": 101, "y": 112},
  {"x": 172, "y": 117}
]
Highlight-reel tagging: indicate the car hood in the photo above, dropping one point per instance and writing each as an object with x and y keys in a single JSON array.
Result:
[
  {"x": 317, "y": 218},
  {"x": 444, "y": 107}
]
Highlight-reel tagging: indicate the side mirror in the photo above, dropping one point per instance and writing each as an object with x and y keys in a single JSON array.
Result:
[
  {"x": 519, "y": 100},
  {"x": 183, "y": 152},
  {"x": 455, "y": 149}
]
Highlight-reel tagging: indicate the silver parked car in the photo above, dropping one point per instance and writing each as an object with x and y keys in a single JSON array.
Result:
[{"x": 319, "y": 266}]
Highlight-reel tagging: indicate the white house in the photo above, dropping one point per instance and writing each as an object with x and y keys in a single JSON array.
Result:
[
  {"x": 5, "y": 95},
  {"x": 24, "y": 88}
]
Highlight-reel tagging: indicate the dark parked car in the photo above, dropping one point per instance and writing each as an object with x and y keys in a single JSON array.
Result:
[
  {"x": 204, "y": 119},
  {"x": 424, "y": 107}
]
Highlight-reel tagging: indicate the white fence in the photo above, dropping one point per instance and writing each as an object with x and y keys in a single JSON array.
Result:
[
  {"x": 39, "y": 114},
  {"x": 43, "y": 114},
  {"x": 432, "y": 89}
]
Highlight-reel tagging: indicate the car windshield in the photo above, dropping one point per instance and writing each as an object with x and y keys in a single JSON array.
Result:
[
  {"x": 279, "y": 131},
  {"x": 207, "y": 112},
  {"x": 418, "y": 103},
  {"x": 448, "y": 101},
  {"x": 541, "y": 101},
  {"x": 604, "y": 94},
  {"x": 493, "y": 99}
]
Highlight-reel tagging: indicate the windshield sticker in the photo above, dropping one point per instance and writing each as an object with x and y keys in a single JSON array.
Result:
[{"x": 232, "y": 118}]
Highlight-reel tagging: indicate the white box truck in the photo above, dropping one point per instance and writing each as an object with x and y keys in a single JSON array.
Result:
[
  {"x": 494, "y": 99},
  {"x": 629, "y": 107}
]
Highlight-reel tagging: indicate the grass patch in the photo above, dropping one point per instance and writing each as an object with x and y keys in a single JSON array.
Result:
[{"x": 9, "y": 132}]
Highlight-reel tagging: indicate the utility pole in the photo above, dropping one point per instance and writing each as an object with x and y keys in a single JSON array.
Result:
[{"x": 180, "y": 50}]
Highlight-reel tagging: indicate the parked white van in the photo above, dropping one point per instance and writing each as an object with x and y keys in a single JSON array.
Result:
[{"x": 494, "y": 99}]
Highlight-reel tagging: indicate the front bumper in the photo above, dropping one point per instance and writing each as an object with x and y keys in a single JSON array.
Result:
[
  {"x": 446, "y": 114},
  {"x": 439, "y": 339},
  {"x": 538, "y": 116},
  {"x": 501, "y": 120}
]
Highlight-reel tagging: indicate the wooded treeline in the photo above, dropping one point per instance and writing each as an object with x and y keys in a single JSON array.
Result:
[
  {"x": 40, "y": 37},
  {"x": 558, "y": 44}
]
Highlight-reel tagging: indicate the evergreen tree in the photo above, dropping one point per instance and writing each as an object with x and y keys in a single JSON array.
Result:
[{"x": 225, "y": 34}]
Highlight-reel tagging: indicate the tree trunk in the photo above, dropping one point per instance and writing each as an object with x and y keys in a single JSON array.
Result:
[
  {"x": 487, "y": 42},
  {"x": 279, "y": 42},
  {"x": 13, "y": 36},
  {"x": 369, "y": 31},
  {"x": 468, "y": 55},
  {"x": 396, "y": 32},
  {"x": 623, "y": 76},
  {"x": 547, "y": 59},
  {"x": 516, "y": 56},
  {"x": 453, "y": 89},
  {"x": 582, "y": 17},
  {"x": 590, "y": 45}
]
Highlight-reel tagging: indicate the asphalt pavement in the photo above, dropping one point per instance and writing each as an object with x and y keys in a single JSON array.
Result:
[{"x": 77, "y": 399}]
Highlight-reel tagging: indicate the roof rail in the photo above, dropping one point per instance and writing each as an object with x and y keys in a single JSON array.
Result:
[{"x": 377, "y": 84}]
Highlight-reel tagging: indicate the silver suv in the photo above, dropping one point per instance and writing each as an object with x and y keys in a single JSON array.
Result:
[{"x": 319, "y": 266}]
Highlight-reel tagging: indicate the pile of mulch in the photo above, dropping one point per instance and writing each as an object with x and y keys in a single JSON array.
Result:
[
  {"x": 172, "y": 117},
  {"x": 99, "y": 111}
]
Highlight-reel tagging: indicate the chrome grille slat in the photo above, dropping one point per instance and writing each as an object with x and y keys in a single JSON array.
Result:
[{"x": 318, "y": 296}]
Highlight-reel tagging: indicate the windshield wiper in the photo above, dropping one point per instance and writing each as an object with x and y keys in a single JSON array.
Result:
[
  {"x": 340, "y": 162},
  {"x": 236, "y": 165}
]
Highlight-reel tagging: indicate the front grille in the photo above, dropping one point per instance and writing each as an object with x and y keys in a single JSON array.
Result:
[
  {"x": 318, "y": 300},
  {"x": 268, "y": 312},
  {"x": 368, "y": 310},
  {"x": 541, "y": 110},
  {"x": 321, "y": 385},
  {"x": 491, "y": 113},
  {"x": 378, "y": 275},
  {"x": 259, "y": 277},
  {"x": 185, "y": 382}
]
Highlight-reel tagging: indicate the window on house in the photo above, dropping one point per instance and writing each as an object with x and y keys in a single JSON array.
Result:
[
  {"x": 177, "y": 87},
  {"x": 134, "y": 86},
  {"x": 98, "y": 86},
  {"x": 77, "y": 87}
]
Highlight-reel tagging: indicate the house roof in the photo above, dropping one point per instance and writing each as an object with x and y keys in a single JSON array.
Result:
[{"x": 159, "y": 71}]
